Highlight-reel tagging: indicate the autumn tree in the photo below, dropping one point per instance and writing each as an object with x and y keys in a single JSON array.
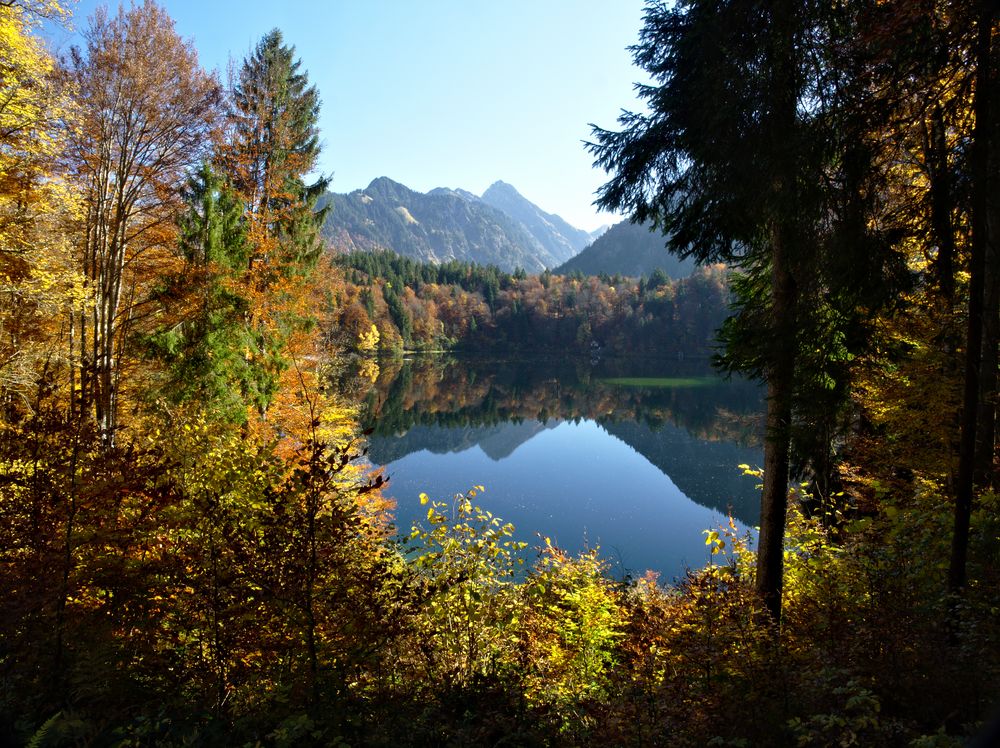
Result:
[
  {"x": 146, "y": 112},
  {"x": 38, "y": 282},
  {"x": 39, "y": 286},
  {"x": 936, "y": 79}
]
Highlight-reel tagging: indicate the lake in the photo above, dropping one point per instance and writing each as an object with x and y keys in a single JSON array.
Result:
[{"x": 638, "y": 458}]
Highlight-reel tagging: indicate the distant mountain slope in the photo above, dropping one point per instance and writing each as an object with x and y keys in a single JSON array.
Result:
[
  {"x": 599, "y": 232},
  {"x": 435, "y": 227},
  {"x": 560, "y": 239},
  {"x": 627, "y": 249}
]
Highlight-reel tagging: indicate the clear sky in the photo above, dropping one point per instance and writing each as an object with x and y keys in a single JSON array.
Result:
[{"x": 445, "y": 93}]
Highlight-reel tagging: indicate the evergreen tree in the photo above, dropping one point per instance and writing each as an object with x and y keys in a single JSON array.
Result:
[
  {"x": 272, "y": 143},
  {"x": 748, "y": 156},
  {"x": 398, "y": 313},
  {"x": 206, "y": 351}
]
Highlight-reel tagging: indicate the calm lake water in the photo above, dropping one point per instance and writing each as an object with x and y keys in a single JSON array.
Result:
[{"x": 636, "y": 458}]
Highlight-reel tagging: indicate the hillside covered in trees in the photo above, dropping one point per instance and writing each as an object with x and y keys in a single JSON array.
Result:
[
  {"x": 454, "y": 306},
  {"x": 193, "y": 550},
  {"x": 628, "y": 249}
]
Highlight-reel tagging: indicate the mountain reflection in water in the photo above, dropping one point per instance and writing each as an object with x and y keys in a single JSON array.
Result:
[{"x": 639, "y": 466}]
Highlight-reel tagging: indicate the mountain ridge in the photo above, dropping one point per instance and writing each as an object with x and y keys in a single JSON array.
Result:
[
  {"x": 629, "y": 249},
  {"x": 562, "y": 240},
  {"x": 451, "y": 224}
]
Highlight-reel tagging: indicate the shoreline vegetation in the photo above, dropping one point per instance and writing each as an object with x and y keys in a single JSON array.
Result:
[
  {"x": 190, "y": 554},
  {"x": 390, "y": 303}
]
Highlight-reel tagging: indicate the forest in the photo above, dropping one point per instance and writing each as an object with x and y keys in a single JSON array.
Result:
[
  {"x": 458, "y": 306},
  {"x": 194, "y": 552}
]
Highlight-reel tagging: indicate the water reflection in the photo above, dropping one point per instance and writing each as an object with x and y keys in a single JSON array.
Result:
[{"x": 636, "y": 457}]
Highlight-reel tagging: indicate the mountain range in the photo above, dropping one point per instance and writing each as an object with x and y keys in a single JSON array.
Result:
[
  {"x": 561, "y": 240},
  {"x": 500, "y": 228}
]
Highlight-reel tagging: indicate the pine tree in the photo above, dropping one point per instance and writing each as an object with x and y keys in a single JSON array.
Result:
[
  {"x": 748, "y": 155},
  {"x": 206, "y": 349}
]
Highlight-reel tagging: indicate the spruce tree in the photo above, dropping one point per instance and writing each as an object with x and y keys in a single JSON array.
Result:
[
  {"x": 271, "y": 146},
  {"x": 747, "y": 156},
  {"x": 206, "y": 351}
]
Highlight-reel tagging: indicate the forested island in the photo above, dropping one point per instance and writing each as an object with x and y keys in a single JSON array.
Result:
[{"x": 196, "y": 358}]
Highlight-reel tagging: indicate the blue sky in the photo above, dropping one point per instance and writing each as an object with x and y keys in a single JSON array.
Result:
[{"x": 446, "y": 93}]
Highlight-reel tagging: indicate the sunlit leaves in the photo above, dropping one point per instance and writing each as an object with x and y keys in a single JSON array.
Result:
[
  {"x": 145, "y": 113},
  {"x": 39, "y": 282},
  {"x": 466, "y": 557},
  {"x": 572, "y": 628}
]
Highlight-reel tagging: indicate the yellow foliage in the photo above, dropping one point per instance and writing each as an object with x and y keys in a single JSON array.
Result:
[
  {"x": 913, "y": 402},
  {"x": 368, "y": 341},
  {"x": 574, "y": 623},
  {"x": 33, "y": 112},
  {"x": 39, "y": 283}
]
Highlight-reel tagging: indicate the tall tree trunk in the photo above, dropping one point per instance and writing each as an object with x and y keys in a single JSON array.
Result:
[
  {"x": 312, "y": 507},
  {"x": 218, "y": 656},
  {"x": 73, "y": 403},
  {"x": 68, "y": 564},
  {"x": 941, "y": 204},
  {"x": 780, "y": 384},
  {"x": 984, "y": 474},
  {"x": 977, "y": 266},
  {"x": 784, "y": 303}
]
